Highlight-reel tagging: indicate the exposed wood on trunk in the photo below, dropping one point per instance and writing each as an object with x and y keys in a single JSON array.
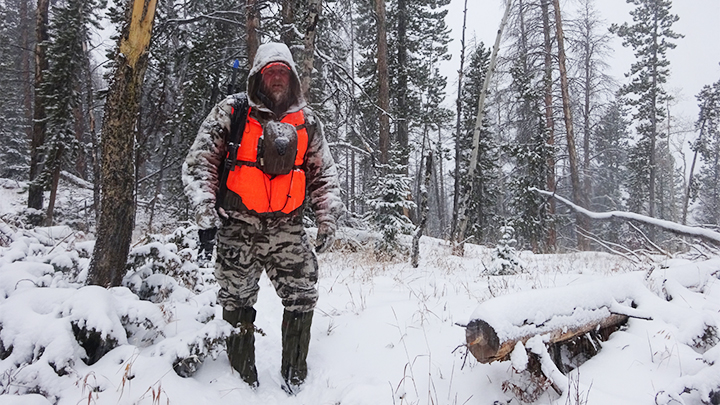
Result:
[
  {"x": 35, "y": 191},
  {"x": 577, "y": 190},
  {"x": 484, "y": 344},
  {"x": 459, "y": 238},
  {"x": 383, "y": 81},
  {"x": 107, "y": 267}
]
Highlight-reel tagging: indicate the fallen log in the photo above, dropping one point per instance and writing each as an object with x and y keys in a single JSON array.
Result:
[
  {"x": 486, "y": 347},
  {"x": 558, "y": 314}
]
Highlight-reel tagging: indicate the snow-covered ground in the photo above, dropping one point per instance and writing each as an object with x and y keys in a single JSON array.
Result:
[{"x": 383, "y": 333}]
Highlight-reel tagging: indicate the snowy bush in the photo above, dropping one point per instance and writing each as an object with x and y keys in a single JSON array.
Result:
[
  {"x": 505, "y": 260},
  {"x": 388, "y": 205}
]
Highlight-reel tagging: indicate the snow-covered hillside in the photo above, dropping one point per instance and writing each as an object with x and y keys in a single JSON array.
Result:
[{"x": 383, "y": 333}]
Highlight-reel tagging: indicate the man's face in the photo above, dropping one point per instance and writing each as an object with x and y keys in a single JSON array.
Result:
[{"x": 276, "y": 82}]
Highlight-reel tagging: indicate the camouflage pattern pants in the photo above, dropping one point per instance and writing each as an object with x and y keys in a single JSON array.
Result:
[{"x": 244, "y": 250}]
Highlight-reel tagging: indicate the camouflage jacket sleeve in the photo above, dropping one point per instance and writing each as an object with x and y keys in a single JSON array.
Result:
[
  {"x": 200, "y": 169},
  {"x": 323, "y": 189}
]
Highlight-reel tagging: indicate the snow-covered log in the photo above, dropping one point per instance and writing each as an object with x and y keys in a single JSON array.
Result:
[
  {"x": 684, "y": 230},
  {"x": 557, "y": 314}
]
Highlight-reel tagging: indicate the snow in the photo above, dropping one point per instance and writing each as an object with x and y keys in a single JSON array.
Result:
[{"x": 383, "y": 332}]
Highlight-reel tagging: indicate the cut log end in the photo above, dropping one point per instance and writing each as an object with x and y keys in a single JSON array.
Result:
[{"x": 482, "y": 341}]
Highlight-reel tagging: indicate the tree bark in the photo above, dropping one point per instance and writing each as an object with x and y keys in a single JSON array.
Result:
[
  {"x": 483, "y": 342},
  {"x": 251, "y": 28},
  {"x": 383, "y": 82},
  {"x": 35, "y": 191},
  {"x": 460, "y": 236},
  {"x": 549, "y": 120},
  {"x": 402, "y": 83},
  {"x": 308, "y": 60},
  {"x": 458, "y": 135},
  {"x": 578, "y": 195},
  {"x": 107, "y": 267},
  {"x": 415, "y": 259}
]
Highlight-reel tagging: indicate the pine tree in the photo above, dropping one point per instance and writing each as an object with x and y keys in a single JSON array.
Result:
[
  {"x": 527, "y": 147},
  {"x": 63, "y": 88},
  {"x": 482, "y": 206},
  {"x": 651, "y": 37},
  {"x": 388, "y": 205},
  {"x": 707, "y": 185},
  {"x": 610, "y": 143},
  {"x": 14, "y": 124}
]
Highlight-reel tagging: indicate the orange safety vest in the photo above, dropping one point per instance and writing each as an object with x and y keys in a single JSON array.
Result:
[{"x": 264, "y": 193}]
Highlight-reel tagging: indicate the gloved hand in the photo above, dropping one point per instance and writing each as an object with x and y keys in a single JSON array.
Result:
[
  {"x": 207, "y": 243},
  {"x": 206, "y": 216},
  {"x": 325, "y": 238}
]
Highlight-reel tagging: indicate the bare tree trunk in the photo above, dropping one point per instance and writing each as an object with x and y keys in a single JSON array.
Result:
[
  {"x": 578, "y": 195},
  {"x": 97, "y": 177},
  {"x": 287, "y": 16},
  {"x": 402, "y": 82},
  {"x": 252, "y": 25},
  {"x": 460, "y": 236},
  {"x": 458, "y": 135},
  {"x": 26, "y": 66},
  {"x": 114, "y": 230},
  {"x": 415, "y": 258},
  {"x": 384, "y": 81},
  {"x": 688, "y": 188},
  {"x": 54, "y": 185},
  {"x": 308, "y": 60},
  {"x": 35, "y": 191},
  {"x": 549, "y": 121}
]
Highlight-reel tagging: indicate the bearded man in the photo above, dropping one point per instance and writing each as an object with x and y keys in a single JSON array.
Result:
[{"x": 275, "y": 164}]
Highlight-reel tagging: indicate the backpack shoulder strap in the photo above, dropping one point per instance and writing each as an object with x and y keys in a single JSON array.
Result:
[{"x": 237, "y": 119}]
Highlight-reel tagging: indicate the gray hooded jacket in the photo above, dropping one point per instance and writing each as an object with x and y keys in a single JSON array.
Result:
[{"x": 200, "y": 170}]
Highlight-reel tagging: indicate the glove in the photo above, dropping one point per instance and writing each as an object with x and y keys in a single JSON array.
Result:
[
  {"x": 325, "y": 238},
  {"x": 207, "y": 243},
  {"x": 206, "y": 216}
]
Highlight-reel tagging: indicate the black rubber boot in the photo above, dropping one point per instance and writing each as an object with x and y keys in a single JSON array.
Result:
[
  {"x": 241, "y": 344},
  {"x": 295, "y": 343}
]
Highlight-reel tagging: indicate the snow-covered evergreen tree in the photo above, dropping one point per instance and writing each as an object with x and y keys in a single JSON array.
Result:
[
  {"x": 388, "y": 207},
  {"x": 505, "y": 259}
]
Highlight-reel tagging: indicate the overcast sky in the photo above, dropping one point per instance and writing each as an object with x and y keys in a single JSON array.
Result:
[{"x": 694, "y": 63}]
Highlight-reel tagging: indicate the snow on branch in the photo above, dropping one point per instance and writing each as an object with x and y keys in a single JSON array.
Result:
[{"x": 702, "y": 233}]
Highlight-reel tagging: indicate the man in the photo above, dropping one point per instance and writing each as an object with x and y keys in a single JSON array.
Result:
[{"x": 278, "y": 164}]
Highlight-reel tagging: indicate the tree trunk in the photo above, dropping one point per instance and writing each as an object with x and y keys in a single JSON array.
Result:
[
  {"x": 458, "y": 129},
  {"x": 308, "y": 60},
  {"x": 35, "y": 191},
  {"x": 383, "y": 81},
  {"x": 251, "y": 28},
  {"x": 549, "y": 121},
  {"x": 114, "y": 230},
  {"x": 54, "y": 185},
  {"x": 287, "y": 17},
  {"x": 578, "y": 195},
  {"x": 460, "y": 236},
  {"x": 26, "y": 66},
  {"x": 683, "y": 230},
  {"x": 415, "y": 258},
  {"x": 402, "y": 83},
  {"x": 483, "y": 342}
]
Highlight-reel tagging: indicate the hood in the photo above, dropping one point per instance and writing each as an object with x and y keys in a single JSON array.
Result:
[{"x": 268, "y": 53}]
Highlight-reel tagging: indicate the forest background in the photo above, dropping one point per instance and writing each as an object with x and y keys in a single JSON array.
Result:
[{"x": 608, "y": 142}]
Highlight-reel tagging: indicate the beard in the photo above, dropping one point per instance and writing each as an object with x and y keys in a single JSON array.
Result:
[{"x": 278, "y": 95}]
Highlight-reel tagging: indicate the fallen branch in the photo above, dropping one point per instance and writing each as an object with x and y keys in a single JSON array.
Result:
[{"x": 684, "y": 230}]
